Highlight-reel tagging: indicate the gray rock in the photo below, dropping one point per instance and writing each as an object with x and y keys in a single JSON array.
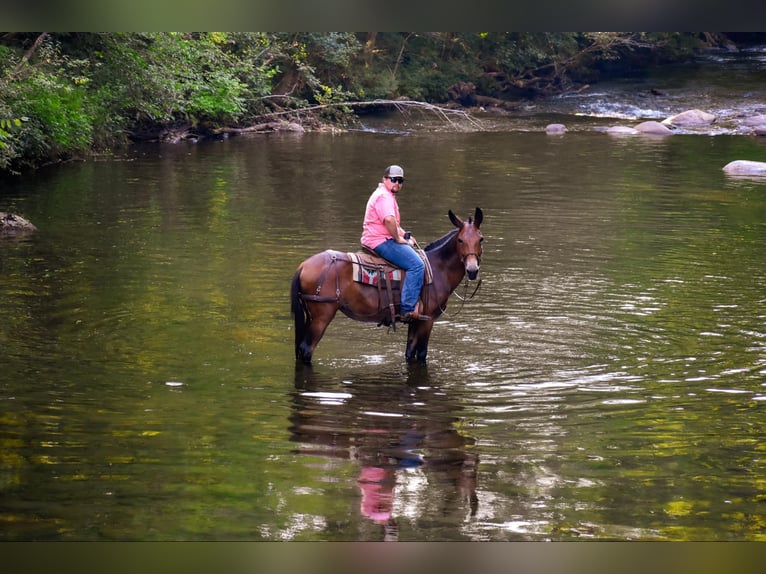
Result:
[
  {"x": 555, "y": 129},
  {"x": 622, "y": 130},
  {"x": 759, "y": 120},
  {"x": 12, "y": 224},
  {"x": 745, "y": 167},
  {"x": 691, "y": 118},
  {"x": 652, "y": 127}
]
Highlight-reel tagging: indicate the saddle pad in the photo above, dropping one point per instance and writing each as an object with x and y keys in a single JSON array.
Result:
[{"x": 368, "y": 268}]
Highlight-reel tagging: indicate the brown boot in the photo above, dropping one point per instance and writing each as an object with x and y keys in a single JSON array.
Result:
[
  {"x": 410, "y": 316},
  {"x": 415, "y": 315}
]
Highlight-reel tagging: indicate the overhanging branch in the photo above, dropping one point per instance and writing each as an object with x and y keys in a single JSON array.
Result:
[{"x": 444, "y": 113}]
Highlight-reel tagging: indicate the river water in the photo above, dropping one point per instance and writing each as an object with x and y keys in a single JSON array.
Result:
[{"x": 607, "y": 382}]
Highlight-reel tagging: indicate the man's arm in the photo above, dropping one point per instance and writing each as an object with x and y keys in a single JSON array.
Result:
[{"x": 391, "y": 226}]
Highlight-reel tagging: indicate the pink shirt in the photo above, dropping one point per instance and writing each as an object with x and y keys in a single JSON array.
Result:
[{"x": 381, "y": 204}]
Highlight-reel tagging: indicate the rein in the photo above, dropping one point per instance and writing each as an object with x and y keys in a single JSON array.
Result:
[{"x": 465, "y": 297}]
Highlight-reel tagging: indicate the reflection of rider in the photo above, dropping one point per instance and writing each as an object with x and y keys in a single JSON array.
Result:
[
  {"x": 377, "y": 486},
  {"x": 421, "y": 444},
  {"x": 377, "y": 476},
  {"x": 382, "y": 233}
]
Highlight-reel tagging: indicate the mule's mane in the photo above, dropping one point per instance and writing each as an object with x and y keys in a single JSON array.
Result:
[{"x": 442, "y": 241}]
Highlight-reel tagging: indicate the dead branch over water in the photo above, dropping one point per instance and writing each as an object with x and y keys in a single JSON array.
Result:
[{"x": 275, "y": 120}]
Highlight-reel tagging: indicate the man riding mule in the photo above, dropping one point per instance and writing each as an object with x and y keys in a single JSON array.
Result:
[
  {"x": 327, "y": 281},
  {"x": 382, "y": 233}
]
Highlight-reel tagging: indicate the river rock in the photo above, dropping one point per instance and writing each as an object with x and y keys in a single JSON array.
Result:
[
  {"x": 622, "y": 130},
  {"x": 690, "y": 118},
  {"x": 745, "y": 167},
  {"x": 555, "y": 129},
  {"x": 12, "y": 224},
  {"x": 759, "y": 120},
  {"x": 652, "y": 127}
]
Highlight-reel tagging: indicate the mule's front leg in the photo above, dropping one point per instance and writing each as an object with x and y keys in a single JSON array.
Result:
[{"x": 418, "y": 334}]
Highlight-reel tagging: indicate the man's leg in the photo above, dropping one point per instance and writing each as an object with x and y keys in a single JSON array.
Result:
[{"x": 405, "y": 257}]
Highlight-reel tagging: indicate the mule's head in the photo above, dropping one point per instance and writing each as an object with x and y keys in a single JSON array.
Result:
[{"x": 469, "y": 240}]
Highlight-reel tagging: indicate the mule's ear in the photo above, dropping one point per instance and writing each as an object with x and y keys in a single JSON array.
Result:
[
  {"x": 478, "y": 217},
  {"x": 456, "y": 221}
]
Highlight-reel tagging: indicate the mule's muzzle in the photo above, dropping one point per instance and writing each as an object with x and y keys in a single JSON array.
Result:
[{"x": 472, "y": 267}]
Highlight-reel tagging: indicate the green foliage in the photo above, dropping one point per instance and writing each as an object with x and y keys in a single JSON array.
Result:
[
  {"x": 87, "y": 91},
  {"x": 59, "y": 111},
  {"x": 52, "y": 99},
  {"x": 310, "y": 61},
  {"x": 6, "y": 126},
  {"x": 168, "y": 77},
  {"x": 84, "y": 91}
]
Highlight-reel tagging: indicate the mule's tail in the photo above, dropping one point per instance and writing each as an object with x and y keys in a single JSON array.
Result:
[{"x": 300, "y": 313}]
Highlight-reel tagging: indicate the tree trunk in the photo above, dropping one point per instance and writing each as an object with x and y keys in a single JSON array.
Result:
[
  {"x": 30, "y": 53},
  {"x": 369, "y": 48}
]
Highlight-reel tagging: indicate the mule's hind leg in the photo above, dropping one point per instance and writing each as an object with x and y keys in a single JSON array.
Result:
[
  {"x": 304, "y": 348},
  {"x": 306, "y": 342},
  {"x": 320, "y": 317}
]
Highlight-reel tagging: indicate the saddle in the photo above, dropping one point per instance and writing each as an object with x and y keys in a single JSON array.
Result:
[{"x": 369, "y": 268}]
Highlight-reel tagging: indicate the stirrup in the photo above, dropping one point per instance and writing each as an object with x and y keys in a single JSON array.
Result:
[{"x": 414, "y": 315}]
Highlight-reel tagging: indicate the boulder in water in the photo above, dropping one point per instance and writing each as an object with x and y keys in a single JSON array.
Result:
[
  {"x": 654, "y": 128},
  {"x": 691, "y": 118},
  {"x": 622, "y": 130},
  {"x": 745, "y": 167},
  {"x": 759, "y": 120},
  {"x": 555, "y": 129},
  {"x": 12, "y": 224}
]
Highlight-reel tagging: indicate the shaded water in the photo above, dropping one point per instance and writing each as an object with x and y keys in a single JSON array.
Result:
[{"x": 607, "y": 381}]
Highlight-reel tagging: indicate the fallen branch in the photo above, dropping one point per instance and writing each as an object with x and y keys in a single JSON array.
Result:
[
  {"x": 259, "y": 128},
  {"x": 442, "y": 112},
  {"x": 438, "y": 110}
]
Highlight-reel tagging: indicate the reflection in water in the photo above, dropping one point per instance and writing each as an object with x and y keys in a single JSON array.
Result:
[{"x": 412, "y": 461}]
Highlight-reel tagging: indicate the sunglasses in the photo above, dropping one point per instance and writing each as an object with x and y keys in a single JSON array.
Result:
[{"x": 396, "y": 179}]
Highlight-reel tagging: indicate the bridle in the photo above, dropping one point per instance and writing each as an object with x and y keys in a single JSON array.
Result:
[
  {"x": 465, "y": 257},
  {"x": 465, "y": 297}
]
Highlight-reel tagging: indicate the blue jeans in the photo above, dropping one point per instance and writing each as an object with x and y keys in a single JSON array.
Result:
[{"x": 404, "y": 256}]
